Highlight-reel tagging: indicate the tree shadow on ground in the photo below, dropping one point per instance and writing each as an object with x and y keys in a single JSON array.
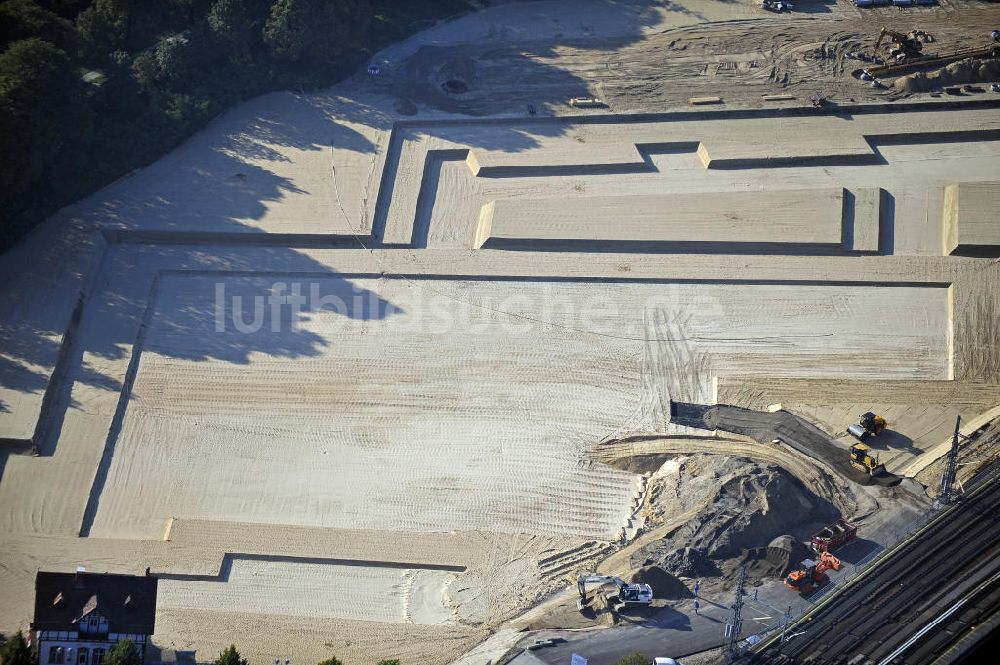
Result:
[
  {"x": 186, "y": 206},
  {"x": 506, "y": 68},
  {"x": 221, "y": 182}
]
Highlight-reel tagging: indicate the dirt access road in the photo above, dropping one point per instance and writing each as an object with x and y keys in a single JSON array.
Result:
[
  {"x": 738, "y": 60},
  {"x": 782, "y": 425}
]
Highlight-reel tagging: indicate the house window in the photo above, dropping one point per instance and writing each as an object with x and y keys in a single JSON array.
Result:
[
  {"x": 98, "y": 657},
  {"x": 57, "y": 656},
  {"x": 82, "y": 654}
]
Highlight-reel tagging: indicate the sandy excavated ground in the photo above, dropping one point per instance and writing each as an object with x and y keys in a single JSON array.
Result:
[
  {"x": 306, "y": 589},
  {"x": 381, "y": 411},
  {"x": 472, "y": 328}
]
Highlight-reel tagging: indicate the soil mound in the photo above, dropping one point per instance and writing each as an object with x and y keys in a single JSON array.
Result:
[
  {"x": 780, "y": 557},
  {"x": 964, "y": 71},
  {"x": 689, "y": 562},
  {"x": 750, "y": 510},
  {"x": 664, "y": 584},
  {"x": 738, "y": 506}
]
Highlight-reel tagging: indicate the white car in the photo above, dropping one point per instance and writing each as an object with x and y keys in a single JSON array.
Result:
[{"x": 665, "y": 661}]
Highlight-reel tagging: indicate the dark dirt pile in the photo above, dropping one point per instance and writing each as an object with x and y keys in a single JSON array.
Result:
[
  {"x": 691, "y": 563},
  {"x": 780, "y": 557},
  {"x": 739, "y": 506},
  {"x": 957, "y": 73},
  {"x": 664, "y": 584}
]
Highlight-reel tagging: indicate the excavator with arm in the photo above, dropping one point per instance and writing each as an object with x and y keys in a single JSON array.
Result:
[
  {"x": 629, "y": 595},
  {"x": 907, "y": 46},
  {"x": 812, "y": 574}
]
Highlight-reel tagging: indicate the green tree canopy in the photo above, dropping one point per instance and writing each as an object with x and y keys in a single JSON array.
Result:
[
  {"x": 389, "y": 661},
  {"x": 65, "y": 8},
  {"x": 123, "y": 653},
  {"x": 633, "y": 659},
  {"x": 230, "y": 657},
  {"x": 239, "y": 21},
  {"x": 92, "y": 89},
  {"x": 315, "y": 30},
  {"x": 289, "y": 29},
  {"x": 38, "y": 83},
  {"x": 15, "y": 651},
  {"x": 331, "y": 661},
  {"x": 103, "y": 26},
  {"x": 29, "y": 70},
  {"x": 21, "y": 19}
]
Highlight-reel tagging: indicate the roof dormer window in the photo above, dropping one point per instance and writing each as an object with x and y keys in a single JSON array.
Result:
[{"x": 93, "y": 623}]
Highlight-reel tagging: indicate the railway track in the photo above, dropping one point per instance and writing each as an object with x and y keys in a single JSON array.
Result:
[{"x": 918, "y": 605}]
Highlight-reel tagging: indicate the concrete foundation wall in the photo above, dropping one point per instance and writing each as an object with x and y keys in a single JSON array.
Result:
[{"x": 971, "y": 225}]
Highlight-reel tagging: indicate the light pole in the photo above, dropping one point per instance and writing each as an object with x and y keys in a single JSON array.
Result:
[{"x": 735, "y": 626}]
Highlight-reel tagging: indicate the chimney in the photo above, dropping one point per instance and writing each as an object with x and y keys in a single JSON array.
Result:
[{"x": 80, "y": 570}]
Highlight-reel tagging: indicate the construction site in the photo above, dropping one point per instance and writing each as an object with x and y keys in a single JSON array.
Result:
[{"x": 556, "y": 323}]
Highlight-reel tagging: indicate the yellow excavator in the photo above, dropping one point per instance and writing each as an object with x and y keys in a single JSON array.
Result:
[{"x": 903, "y": 46}]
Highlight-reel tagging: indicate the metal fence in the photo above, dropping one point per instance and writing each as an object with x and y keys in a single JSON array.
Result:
[{"x": 887, "y": 539}]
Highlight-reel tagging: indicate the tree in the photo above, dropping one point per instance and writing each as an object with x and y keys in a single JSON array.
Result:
[
  {"x": 15, "y": 651},
  {"x": 230, "y": 657},
  {"x": 37, "y": 85},
  {"x": 172, "y": 56},
  {"x": 331, "y": 661},
  {"x": 239, "y": 21},
  {"x": 28, "y": 70},
  {"x": 289, "y": 29},
  {"x": 389, "y": 661},
  {"x": 65, "y": 8},
  {"x": 146, "y": 68},
  {"x": 123, "y": 653},
  {"x": 315, "y": 30},
  {"x": 104, "y": 26},
  {"x": 21, "y": 19},
  {"x": 633, "y": 659},
  {"x": 342, "y": 26},
  {"x": 192, "y": 10}
]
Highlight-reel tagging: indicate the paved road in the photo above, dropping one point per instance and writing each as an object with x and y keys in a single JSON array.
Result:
[{"x": 670, "y": 631}]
